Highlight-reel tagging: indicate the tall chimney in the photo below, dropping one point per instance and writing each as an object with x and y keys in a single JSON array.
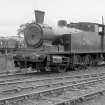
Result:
[
  {"x": 39, "y": 16},
  {"x": 62, "y": 23}
]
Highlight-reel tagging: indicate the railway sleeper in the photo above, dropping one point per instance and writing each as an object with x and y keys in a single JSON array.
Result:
[
  {"x": 40, "y": 95},
  {"x": 25, "y": 96},
  {"x": 83, "y": 98}
]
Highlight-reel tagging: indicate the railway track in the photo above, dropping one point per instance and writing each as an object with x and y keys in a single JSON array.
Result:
[
  {"x": 38, "y": 88},
  {"x": 36, "y": 80},
  {"x": 55, "y": 95},
  {"x": 41, "y": 83},
  {"x": 12, "y": 77}
]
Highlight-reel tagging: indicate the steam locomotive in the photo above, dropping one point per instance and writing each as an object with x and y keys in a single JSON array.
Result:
[{"x": 63, "y": 48}]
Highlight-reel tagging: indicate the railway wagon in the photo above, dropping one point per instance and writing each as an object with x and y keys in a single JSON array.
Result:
[
  {"x": 7, "y": 44},
  {"x": 71, "y": 49}
]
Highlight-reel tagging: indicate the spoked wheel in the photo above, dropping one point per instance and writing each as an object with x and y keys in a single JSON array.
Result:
[
  {"x": 43, "y": 69},
  {"x": 61, "y": 68},
  {"x": 77, "y": 59},
  {"x": 77, "y": 62},
  {"x": 22, "y": 64},
  {"x": 85, "y": 61},
  {"x": 88, "y": 60},
  {"x": 40, "y": 67}
]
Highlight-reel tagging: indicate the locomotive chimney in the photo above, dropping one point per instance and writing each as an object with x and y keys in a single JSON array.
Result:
[
  {"x": 62, "y": 23},
  {"x": 39, "y": 16}
]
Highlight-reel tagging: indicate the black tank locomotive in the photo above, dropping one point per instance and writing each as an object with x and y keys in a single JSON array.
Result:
[{"x": 61, "y": 48}]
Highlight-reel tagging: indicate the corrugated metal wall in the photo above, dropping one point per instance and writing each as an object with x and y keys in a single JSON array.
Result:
[{"x": 6, "y": 64}]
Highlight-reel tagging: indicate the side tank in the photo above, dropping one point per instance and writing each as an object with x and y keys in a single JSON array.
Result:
[{"x": 86, "y": 42}]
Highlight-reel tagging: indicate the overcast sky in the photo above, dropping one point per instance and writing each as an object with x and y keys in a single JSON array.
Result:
[{"x": 13, "y": 13}]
